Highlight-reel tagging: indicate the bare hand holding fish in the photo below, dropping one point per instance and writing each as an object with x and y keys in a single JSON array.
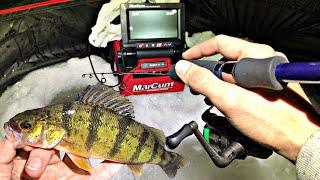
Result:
[
  {"x": 99, "y": 126},
  {"x": 17, "y": 165}
]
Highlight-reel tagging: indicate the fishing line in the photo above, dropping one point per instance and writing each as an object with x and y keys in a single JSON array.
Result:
[{"x": 103, "y": 79}]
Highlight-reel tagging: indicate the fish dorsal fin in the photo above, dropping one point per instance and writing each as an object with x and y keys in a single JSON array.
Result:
[
  {"x": 106, "y": 97},
  {"x": 136, "y": 168},
  {"x": 158, "y": 133}
]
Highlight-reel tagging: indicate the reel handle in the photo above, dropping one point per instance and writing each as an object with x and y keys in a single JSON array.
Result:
[
  {"x": 175, "y": 139},
  {"x": 222, "y": 142},
  {"x": 221, "y": 158}
]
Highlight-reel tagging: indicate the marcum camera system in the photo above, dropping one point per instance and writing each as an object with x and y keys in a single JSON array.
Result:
[{"x": 153, "y": 39}]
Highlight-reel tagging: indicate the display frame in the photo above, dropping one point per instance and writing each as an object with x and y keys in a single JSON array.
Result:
[{"x": 125, "y": 31}]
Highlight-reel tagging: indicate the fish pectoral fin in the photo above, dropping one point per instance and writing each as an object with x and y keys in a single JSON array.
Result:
[
  {"x": 81, "y": 162},
  {"x": 136, "y": 168}
]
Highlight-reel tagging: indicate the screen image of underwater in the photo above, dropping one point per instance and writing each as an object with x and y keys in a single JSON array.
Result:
[{"x": 168, "y": 112}]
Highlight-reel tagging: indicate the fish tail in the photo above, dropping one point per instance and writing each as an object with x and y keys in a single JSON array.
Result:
[{"x": 173, "y": 163}]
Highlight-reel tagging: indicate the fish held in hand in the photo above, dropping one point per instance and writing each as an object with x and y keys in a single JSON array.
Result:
[{"x": 99, "y": 125}]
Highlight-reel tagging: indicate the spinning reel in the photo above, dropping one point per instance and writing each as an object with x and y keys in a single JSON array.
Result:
[{"x": 222, "y": 142}]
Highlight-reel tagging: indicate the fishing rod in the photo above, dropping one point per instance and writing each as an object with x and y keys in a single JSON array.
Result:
[
  {"x": 132, "y": 73},
  {"x": 269, "y": 73},
  {"x": 223, "y": 142}
]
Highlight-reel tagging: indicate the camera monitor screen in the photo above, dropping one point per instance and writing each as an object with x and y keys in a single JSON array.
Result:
[{"x": 153, "y": 24}]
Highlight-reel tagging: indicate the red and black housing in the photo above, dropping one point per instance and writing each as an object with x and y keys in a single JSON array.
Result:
[{"x": 153, "y": 39}]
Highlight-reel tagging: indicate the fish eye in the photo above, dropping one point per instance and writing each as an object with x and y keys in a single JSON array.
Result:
[{"x": 25, "y": 125}]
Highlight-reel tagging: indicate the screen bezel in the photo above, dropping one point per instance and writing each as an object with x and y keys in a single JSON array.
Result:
[{"x": 125, "y": 32}]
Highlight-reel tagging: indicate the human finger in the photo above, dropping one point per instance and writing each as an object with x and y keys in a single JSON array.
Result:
[
  {"x": 55, "y": 158},
  {"x": 7, "y": 151},
  {"x": 28, "y": 148},
  {"x": 38, "y": 161},
  {"x": 7, "y": 154},
  {"x": 106, "y": 171}
]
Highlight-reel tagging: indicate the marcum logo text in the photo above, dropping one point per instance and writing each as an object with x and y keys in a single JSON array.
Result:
[{"x": 152, "y": 87}]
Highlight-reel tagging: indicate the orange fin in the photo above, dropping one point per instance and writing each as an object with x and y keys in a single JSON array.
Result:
[
  {"x": 81, "y": 162},
  {"x": 136, "y": 168}
]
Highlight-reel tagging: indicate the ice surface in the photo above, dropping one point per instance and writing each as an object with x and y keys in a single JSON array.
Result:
[{"x": 164, "y": 111}]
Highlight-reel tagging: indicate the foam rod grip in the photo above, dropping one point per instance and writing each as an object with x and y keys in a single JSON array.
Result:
[{"x": 258, "y": 73}]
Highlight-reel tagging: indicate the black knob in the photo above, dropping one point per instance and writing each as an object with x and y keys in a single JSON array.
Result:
[
  {"x": 208, "y": 102},
  {"x": 194, "y": 92},
  {"x": 175, "y": 139}
]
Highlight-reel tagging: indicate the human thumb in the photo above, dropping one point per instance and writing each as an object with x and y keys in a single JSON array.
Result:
[
  {"x": 199, "y": 79},
  {"x": 222, "y": 94}
]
